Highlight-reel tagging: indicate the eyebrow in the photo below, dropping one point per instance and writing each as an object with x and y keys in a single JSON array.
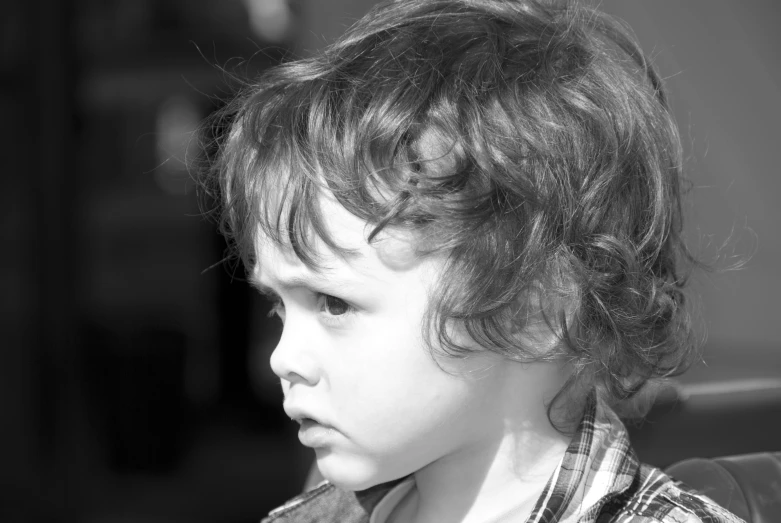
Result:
[
  {"x": 324, "y": 286},
  {"x": 262, "y": 288}
]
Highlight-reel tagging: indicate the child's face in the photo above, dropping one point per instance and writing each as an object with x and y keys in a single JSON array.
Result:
[{"x": 352, "y": 357}]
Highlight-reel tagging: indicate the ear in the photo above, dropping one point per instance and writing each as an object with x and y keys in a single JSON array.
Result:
[{"x": 547, "y": 314}]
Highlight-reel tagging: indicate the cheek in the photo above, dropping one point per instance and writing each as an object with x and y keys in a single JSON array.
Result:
[
  {"x": 393, "y": 392},
  {"x": 386, "y": 384},
  {"x": 398, "y": 409}
]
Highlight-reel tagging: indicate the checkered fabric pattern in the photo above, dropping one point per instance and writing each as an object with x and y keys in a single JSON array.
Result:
[{"x": 600, "y": 480}]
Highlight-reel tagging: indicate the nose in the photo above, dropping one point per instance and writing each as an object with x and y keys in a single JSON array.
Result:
[{"x": 292, "y": 359}]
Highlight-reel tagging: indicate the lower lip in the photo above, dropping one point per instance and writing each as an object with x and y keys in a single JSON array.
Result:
[{"x": 313, "y": 434}]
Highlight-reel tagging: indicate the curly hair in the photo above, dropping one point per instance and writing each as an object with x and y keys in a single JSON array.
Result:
[{"x": 530, "y": 141}]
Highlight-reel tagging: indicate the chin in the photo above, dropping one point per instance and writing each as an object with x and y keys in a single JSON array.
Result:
[{"x": 349, "y": 472}]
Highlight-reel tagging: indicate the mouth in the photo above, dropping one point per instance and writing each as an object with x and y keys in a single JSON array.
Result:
[
  {"x": 301, "y": 417},
  {"x": 314, "y": 434},
  {"x": 306, "y": 421}
]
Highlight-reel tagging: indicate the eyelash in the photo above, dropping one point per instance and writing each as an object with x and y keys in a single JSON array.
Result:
[
  {"x": 325, "y": 298},
  {"x": 278, "y": 308}
]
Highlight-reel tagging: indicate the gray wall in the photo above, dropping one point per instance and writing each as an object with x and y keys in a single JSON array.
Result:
[{"x": 721, "y": 60}]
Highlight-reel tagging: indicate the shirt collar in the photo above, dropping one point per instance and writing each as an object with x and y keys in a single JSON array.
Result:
[{"x": 599, "y": 464}]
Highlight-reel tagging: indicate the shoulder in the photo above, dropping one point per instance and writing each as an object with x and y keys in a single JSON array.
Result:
[
  {"x": 658, "y": 498},
  {"x": 328, "y": 503},
  {"x": 309, "y": 500}
]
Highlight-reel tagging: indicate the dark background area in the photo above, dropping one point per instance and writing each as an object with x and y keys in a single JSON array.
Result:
[{"x": 134, "y": 382}]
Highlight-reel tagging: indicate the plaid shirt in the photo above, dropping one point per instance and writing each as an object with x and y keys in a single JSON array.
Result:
[{"x": 599, "y": 480}]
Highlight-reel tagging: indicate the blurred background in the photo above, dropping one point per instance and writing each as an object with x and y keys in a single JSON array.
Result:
[{"x": 134, "y": 382}]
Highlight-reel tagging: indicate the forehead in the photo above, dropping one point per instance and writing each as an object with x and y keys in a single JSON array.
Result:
[{"x": 390, "y": 251}]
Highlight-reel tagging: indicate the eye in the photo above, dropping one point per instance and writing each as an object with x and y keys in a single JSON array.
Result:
[{"x": 334, "y": 306}]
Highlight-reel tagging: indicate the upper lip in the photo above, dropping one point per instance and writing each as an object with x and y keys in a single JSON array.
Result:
[{"x": 298, "y": 414}]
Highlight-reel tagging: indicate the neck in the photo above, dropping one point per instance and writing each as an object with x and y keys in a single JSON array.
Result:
[
  {"x": 502, "y": 473},
  {"x": 511, "y": 480}
]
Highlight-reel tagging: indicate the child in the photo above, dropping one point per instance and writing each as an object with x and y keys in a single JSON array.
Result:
[{"x": 468, "y": 215}]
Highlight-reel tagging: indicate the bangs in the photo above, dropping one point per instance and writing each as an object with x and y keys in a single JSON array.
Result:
[
  {"x": 287, "y": 157},
  {"x": 382, "y": 150}
]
